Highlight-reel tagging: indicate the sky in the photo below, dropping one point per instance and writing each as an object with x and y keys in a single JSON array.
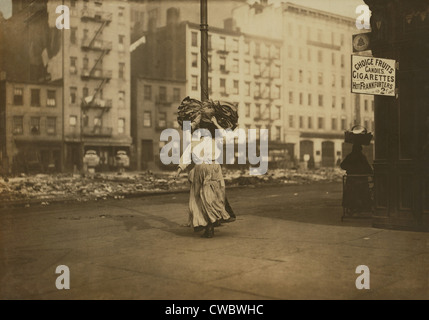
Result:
[{"x": 6, "y": 8}]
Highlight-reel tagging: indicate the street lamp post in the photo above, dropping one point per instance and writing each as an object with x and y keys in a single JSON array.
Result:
[{"x": 204, "y": 51}]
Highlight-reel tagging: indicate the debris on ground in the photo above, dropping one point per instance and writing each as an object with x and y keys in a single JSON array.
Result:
[{"x": 99, "y": 186}]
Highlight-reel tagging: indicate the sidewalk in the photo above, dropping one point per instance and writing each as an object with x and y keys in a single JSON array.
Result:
[{"x": 287, "y": 243}]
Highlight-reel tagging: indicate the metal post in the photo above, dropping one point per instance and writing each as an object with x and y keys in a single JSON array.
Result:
[{"x": 204, "y": 51}]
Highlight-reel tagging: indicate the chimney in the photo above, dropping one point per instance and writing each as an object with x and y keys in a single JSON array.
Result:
[
  {"x": 229, "y": 24},
  {"x": 173, "y": 16}
]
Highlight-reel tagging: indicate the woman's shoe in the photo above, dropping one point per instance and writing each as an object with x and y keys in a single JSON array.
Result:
[{"x": 209, "y": 232}]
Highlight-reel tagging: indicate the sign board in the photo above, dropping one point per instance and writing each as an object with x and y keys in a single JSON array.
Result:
[
  {"x": 372, "y": 75},
  {"x": 361, "y": 42}
]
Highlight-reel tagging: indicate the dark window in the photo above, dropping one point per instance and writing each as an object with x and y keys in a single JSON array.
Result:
[
  {"x": 18, "y": 96},
  {"x": 35, "y": 125},
  {"x": 162, "y": 93},
  {"x": 51, "y": 125},
  {"x": 194, "y": 39},
  {"x": 147, "y": 92},
  {"x": 52, "y": 98},
  {"x": 35, "y": 97},
  {"x": 18, "y": 125},
  {"x": 176, "y": 94}
]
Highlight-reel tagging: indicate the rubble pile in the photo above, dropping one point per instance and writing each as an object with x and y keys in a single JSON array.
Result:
[{"x": 45, "y": 188}]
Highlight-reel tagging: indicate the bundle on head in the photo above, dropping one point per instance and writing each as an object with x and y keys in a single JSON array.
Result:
[{"x": 200, "y": 113}]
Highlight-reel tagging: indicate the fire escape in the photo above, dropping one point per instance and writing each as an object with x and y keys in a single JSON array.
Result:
[{"x": 96, "y": 72}]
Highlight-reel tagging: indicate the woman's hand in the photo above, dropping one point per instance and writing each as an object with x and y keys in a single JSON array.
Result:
[{"x": 214, "y": 120}]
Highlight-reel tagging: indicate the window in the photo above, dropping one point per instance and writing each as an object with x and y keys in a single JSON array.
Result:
[
  {"x": 301, "y": 99},
  {"x": 276, "y": 71},
  {"x": 235, "y": 65},
  {"x": 301, "y": 122},
  {"x": 334, "y": 124},
  {"x": 194, "y": 83},
  {"x": 342, "y": 61},
  {"x": 18, "y": 125},
  {"x": 222, "y": 64},
  {"x": 320, "y": 56},
  {"x": 210, "y": 84},
  {"x": 320, "y": 123},
  {"x": 257, "y": 89},
  {"x": 278, "y": 133},
  {"x": 147, "y": 119},
  {"x": 343, "y": 124},
  {"x": 300, "y": 53},
  {"x": 209, "y": 62},
  {"x": 276, "y": 52},
  {"x": 366, "y": 105},
  {"x": 247, "y": 110},
  {"x": 247, "y": 88},
  {"x": 176, "y": 94},
  {"x": 257, "y": 50},
  {"x": 121, "y": 98},
  {"x": 309, "y": 54},
  {"x": 320, "y": 99},
  {"x": 290, "y": 74},
  {"x": 247, "y": 67},
  {"x": 73, "y": 37},
  {"x": 85, "y": 63},
  {"x": 246, "y": 47},
  {"x": 277, "y": 113},
  {"x": 333, "y": 81},
  {"x": 147, "y": 92},
  {"x": 257, "y": 111},
  {"x": 121, "y": 70},
  {"x": 51, "y": 125},
  {"x": 309, "y": 75},
  {"x": 35, "y": 125},
  {"x": 320, "y": 78},
  {"x": 290, "y": 52},
  {"x": 52, "y": 98},
  {"x": 195, "y": 60},
  {"x": 18, "y": 96},
  {"x": 343, "y": 81},
  {"x": 309, "y": 99},
  {"x": 73, "y": 65},
  {"x": 333, "y": 58},
  {"x": 257, "y": 69},
  {"x": 300, "y": 76},
  {"x": 121, "y": 125},
  {"x": 291, "y": 121},
  {"x": 162, "y": 94},
  {"x": 267, "y": 91},
  {"x": 85, "y": 34},
  {"x": 121, "y": 12},
  {"x": 343, "y": 103},
  {"x": 319, "y": 35},
  {"x": 310, "y": 123},
  {"x": 342, "y": 39},
  {"x": 121, "y": 42},
  {"x": 73, "y": 95},
  {"x": 223, "y": 43},
  {"x": 372, "y": 105},
  {"x": 222, "y": 84},
  {"x": 333, "y": 102},
  {"x": 276, "y": 92},
  {"x": 35, "y": 97},
  {"x": 290, "y": 97},
  {"x": 235, "y": 45},
  {"x": 85, "y": 92},
  {"x": 209, "y": 42}
]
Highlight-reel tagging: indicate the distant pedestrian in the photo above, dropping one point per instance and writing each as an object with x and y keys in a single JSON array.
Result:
[{"x": 356, "y": 193}]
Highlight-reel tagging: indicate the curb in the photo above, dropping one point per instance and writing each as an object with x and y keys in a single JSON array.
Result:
[{"x": 49, "y": 201}]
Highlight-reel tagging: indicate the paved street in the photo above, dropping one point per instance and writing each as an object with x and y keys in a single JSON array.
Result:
[{"x": 288, "y": 243}]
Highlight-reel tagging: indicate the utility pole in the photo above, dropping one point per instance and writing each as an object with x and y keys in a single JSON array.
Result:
[{"x": 204, "y": 51}]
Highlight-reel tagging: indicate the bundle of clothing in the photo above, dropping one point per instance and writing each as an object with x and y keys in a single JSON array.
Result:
[{"x": 201, "y": 112}]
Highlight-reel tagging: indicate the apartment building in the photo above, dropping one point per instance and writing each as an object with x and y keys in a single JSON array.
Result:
[
  {"x": 92, "y": 62},
  {"x": 30, "y": 127},
  {"x": 317, "y": 101},
  {"x": 243, "y": 69}
]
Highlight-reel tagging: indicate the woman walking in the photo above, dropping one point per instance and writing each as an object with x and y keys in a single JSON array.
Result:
[{"x": 207, "y": 194}]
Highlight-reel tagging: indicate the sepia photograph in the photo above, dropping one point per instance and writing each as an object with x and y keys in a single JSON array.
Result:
[{"x": 214, "y": 155}]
